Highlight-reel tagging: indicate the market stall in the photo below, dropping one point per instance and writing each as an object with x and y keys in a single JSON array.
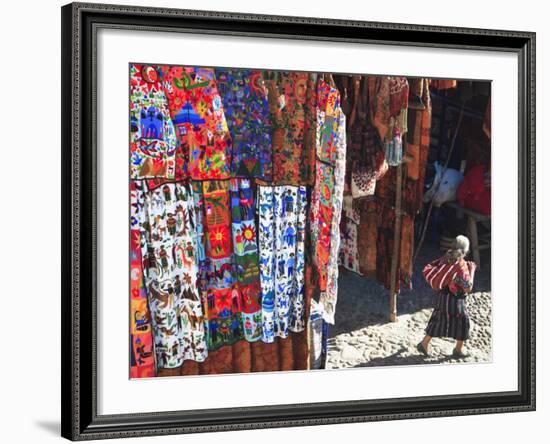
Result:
[{"x": 248, "y": 188}]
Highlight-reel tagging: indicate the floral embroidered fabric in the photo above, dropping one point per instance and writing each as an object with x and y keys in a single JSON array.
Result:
[
  {"x": 328, "y": 297},
  {"x": 329, "y": 185},
  {"x": 246, "y": 109},
  {"x": 245, "y": 250},
  {"x": 290, "y": 102},
  {"x": 204, "y": 142},
  {"x": 222, "y": 292}
]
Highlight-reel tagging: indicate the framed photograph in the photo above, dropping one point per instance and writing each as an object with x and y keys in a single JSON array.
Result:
[{"x": 276, "y": 221}]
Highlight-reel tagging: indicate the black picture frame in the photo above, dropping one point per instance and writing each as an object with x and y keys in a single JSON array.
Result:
[{"x": 80, "y": 22}]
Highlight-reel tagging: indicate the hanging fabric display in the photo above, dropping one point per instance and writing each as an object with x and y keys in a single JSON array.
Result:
[
  {"x": 246, "y": 109},
  {"x": 246, "y": 182},
  {"x": 203, "y": 263},
  {"x": 266, "y": 242},
  {"x": 296, "y": 318},
  {"x": 348, "y": 253},
  {"x": 418, "y": 142},
  {"x": 142, "y": 359},
  {"x": 326, "y": 201},
  {"x": 288, "y": 99},
  {"x": 412, "y": 193},
  {"x": 332, "y": 149},
  {"x": 367, "y": 237},
  {"x": 223, "y": 297},
  {"x": 245, "y": 249},
  {"x": 282, "y": 213},
  {"x": 321, "y": 220},
  {"x": 366, "y": 157},
  {"x": 152, "y": 136},
  {"x": 398, "y": 104},
  {"x": 170, "y": 272},
  {"x": 204, "y": 142}
]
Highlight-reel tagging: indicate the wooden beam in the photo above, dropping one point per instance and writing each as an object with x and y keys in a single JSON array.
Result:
[{"x": 396, "y": 242}]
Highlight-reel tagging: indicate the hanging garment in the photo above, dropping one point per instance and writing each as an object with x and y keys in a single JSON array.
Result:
[
  {"x": 411, "y": 199},
  {"x": 203, "y": 263},
  {"x": 389, "y": 115},
  {"x": 329, "y": 120},
  {"x": 152, "y": 136},
  {"x": 365, "y": 175},
  {"x": 366, "y": 162},
  {"x": 348, "y": 255},
  {"x": 246, "y": 108},
  {"x": 245, "y": 251},
  {"x": 223, "y": 297},
  {"x": 326, "y": 200},
  {"x": 367, "y": 238},
  {"x": 290, "y": 100},
  {"x": 168, "y": 250},
  {"x": 443, "y": 83},
  {"x": 321, "y": 220},
  {"x": 328, "y": 297},
  {"x": 282, "y": 212},
  {"x": 418, "y": 142},
  {"x": 204, "y": 142},
  {"x": 142, "y": 359},
  {"x": 318, "y": 337}
]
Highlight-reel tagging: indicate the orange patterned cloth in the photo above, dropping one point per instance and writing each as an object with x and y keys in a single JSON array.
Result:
[
  {"x": 142, "y": 359},
  {"x": 291, "y": 104}
]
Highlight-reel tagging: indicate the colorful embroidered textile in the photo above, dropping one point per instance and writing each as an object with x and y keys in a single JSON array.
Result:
[
  {"x": 328, "y": 122},
  {"x": 223, "y": 296},
  {"x": 325, "y": 205},
  {"x": 246, "y": 108},
  {"x": 197, "y": 113},
  {"x": 142, "y": 359},
  {"x": 297, "y": 316},
  {"x": 170, "y": 272},
  {"x": 152, "y": 137},
  {"x": 203, "y": 263},
  {"x": 321, "y": 220},
  {"x": 365, "y": 162},
  {"x": 328, "y": 298},
  {"x": 245, "y": 250},
  {"x": 288, "y": 99},
  {"x": 282, "y": 212}
]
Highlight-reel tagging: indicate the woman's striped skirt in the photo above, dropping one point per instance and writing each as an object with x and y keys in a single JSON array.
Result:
[{"x": 449, "y": 318}]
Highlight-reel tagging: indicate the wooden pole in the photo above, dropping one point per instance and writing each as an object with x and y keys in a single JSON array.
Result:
[{"x": 396, "y": 242}]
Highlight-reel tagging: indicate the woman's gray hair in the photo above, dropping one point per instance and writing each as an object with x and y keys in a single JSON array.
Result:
[{"x": 460, "y": 248}]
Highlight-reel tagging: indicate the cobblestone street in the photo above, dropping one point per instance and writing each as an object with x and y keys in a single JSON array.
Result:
[{"x": 362, "y": 335}]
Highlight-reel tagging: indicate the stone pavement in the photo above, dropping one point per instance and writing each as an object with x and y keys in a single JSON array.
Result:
[{"x": 363, "y": 337}]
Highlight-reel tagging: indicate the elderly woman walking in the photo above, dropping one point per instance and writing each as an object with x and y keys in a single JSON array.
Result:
[{"x": 453, "y": 278}]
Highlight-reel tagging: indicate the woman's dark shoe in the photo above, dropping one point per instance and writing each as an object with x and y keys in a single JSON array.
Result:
[
  {"x": 421, "y": 349},
  {"x": 459, "y": 354}
]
